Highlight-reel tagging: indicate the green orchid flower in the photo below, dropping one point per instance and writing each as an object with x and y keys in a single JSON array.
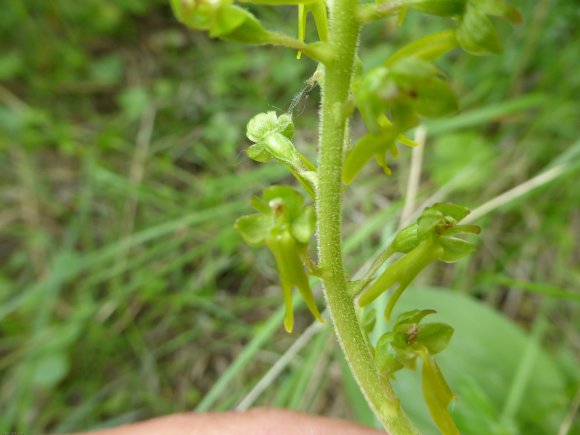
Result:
[
  {"x": 410, "y": 339},
  {"x": 285, "y": 226},
  {"x": 391, "y": 99},
  {"x": 433, "y": 237}
]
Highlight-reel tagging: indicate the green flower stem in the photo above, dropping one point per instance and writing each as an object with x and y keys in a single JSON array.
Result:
[{"x": 343, "y": 39}]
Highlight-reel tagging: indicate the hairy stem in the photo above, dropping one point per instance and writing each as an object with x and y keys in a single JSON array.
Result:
[{"x": 343, "y": 38}]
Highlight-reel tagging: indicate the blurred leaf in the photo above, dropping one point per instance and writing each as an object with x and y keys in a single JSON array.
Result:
[
  {"x": 50, "y": 369},
  {"x": 134, "y": 101},
  {"x": 453, "y": 153},
  {"x": 107, "y": 70},
  {"x": 11, "y": 64}
]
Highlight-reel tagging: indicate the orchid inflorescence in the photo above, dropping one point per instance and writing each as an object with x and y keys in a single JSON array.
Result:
[{"x": 391, "y": 99}]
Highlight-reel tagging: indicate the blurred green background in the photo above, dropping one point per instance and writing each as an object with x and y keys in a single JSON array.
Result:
[{"x": 125, "y": 292}]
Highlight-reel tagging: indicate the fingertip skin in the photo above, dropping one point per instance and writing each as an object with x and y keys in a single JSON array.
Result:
[{"x": 258, "y": 421}]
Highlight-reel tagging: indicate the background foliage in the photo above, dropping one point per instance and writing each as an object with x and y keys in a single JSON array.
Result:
[{"x": 125, "y": 292}]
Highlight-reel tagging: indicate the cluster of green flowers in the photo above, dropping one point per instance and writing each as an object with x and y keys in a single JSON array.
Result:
[
  {"x": 391, "y": 100},
  {"x": 392, "y": 97}
]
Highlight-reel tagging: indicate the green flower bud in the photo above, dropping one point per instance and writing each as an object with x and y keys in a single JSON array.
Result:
[
  {"x": 406, "y": 240},
  {"x": 221, "y": 19},
  {"x": 272, "y": 135},
  {"x": 264, "y": 125}
]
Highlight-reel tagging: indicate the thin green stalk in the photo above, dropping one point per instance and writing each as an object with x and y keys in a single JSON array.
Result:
[{"x": 343, "y": 38}]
